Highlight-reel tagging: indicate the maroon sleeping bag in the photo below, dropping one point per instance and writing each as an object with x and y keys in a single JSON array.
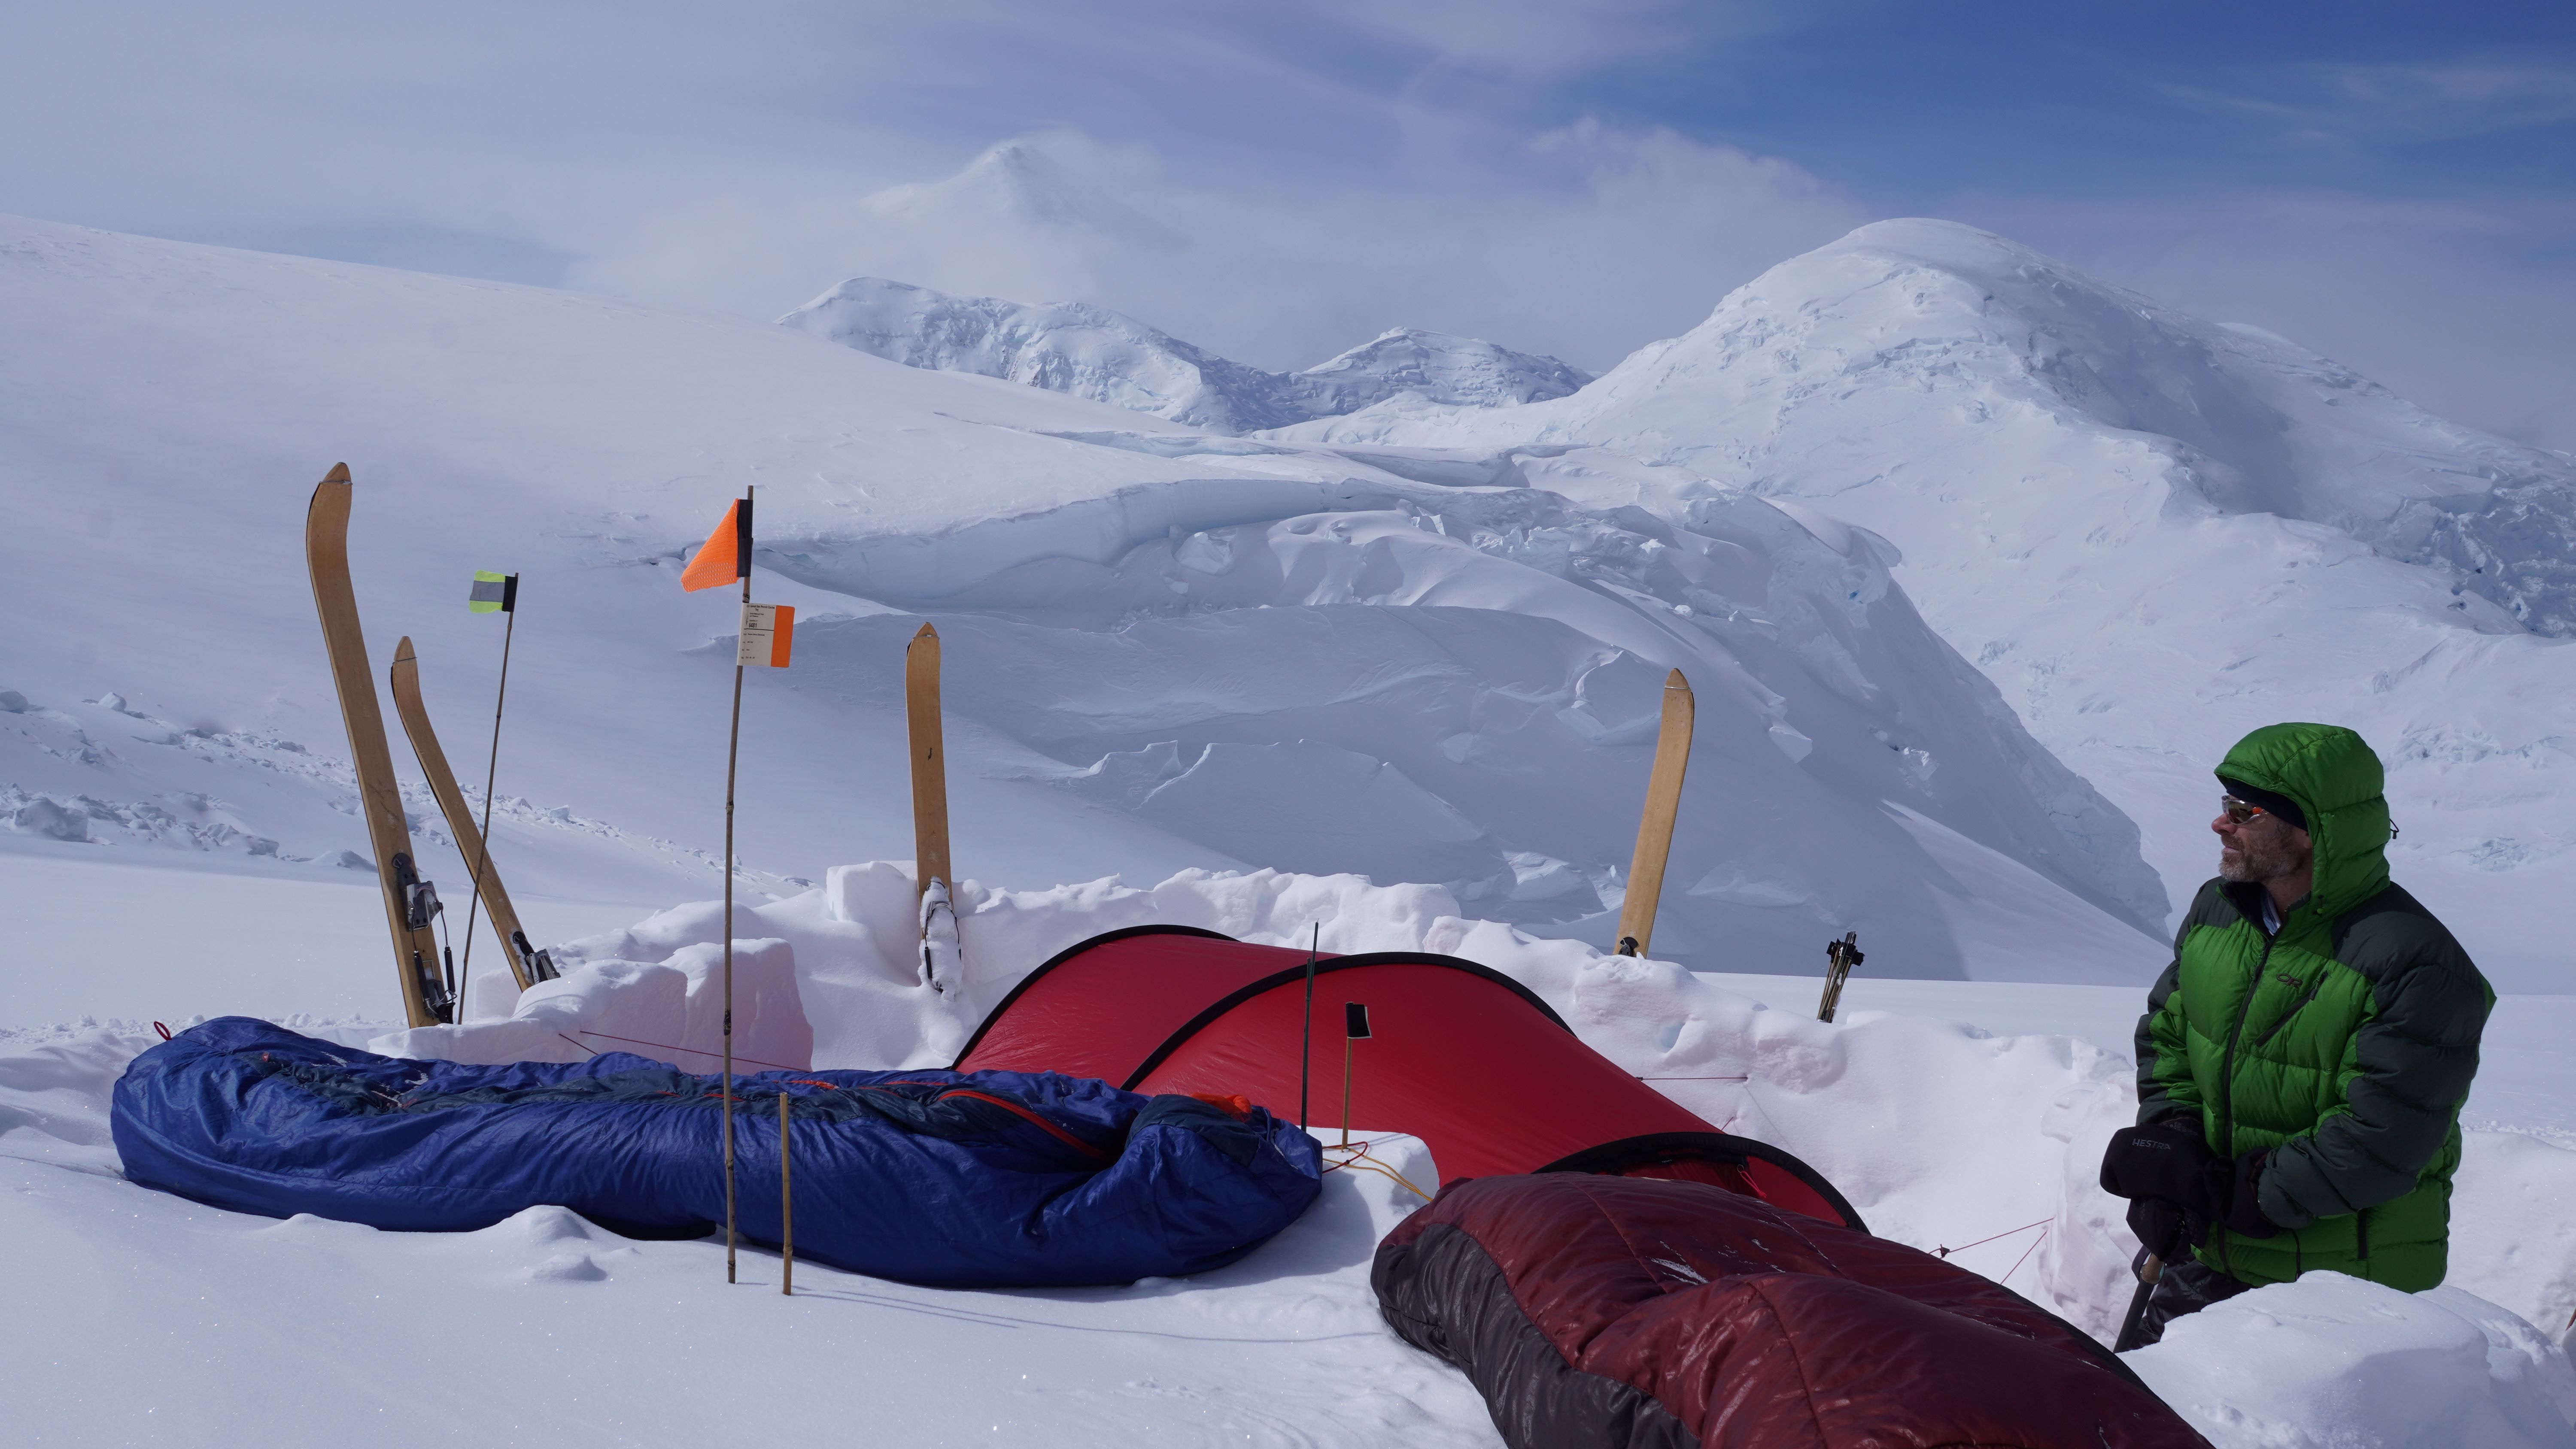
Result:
[{"x": 1606, "y": 1311}]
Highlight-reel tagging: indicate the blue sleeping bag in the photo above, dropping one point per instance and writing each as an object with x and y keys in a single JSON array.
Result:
[{"x": 953, "y": 1179}]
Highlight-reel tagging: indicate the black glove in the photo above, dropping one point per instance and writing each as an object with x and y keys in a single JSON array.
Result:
[
  {"x": 2160, "y": 1227},
  {"x": 2243, "y": 1213},
  {"x": 2166, "y": 1162}
]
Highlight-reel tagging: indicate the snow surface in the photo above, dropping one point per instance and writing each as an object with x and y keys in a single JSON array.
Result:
[
  {"x": 1165, "y": 649},
  {"x": 1092, "y": 352},
  {"x": 2153, "y": 533},
  {"x": 1943, "y": 1135}
]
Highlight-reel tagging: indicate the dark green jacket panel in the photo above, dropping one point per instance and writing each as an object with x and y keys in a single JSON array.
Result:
[{"x": 2405, "y": 1071}]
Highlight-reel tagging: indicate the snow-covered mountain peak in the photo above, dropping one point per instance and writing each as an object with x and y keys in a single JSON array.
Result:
[
  {"x": 1067, "y": 347},
  {"x": 1962, "y": 331},
  {"x": 1093, "y": 352},
  {"x": 1444, "y": 368}
]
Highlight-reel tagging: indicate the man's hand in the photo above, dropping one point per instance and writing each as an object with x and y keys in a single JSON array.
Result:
[
  {"x": 2165, "y": 1169},
  {"x": 2236, "y": 1181},
  {"x": 2161, "y": 1228}
]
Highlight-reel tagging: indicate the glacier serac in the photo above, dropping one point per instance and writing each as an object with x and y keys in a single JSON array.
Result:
[
  {"x": 1092, "y": 352},
  {"x": 2153, "y": 533}
]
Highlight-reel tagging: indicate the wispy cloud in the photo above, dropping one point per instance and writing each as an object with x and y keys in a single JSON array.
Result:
[
  {"x": 2432, "y": 101},
  {"x": 1313, "y": 171},
  {"x": 1608, "y": 239}
]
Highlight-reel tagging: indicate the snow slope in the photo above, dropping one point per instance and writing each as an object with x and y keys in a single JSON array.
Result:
[
  {"x": 1165, "y": 649},
  {"x": 1092, "y": 352},
  {"x": 2152, "y": 532}
]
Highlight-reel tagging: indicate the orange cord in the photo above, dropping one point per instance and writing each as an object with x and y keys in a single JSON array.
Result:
[{"x": 1361, "y": 1159}]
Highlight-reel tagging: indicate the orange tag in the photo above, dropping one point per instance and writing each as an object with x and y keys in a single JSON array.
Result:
[{"x": 1231, "y": 1104}]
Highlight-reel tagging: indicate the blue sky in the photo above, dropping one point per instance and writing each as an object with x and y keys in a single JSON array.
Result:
[{"x": 2389, "y": 184}]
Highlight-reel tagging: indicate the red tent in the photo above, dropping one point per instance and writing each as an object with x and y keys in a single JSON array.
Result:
[{"x": 1463, "y": 1057}]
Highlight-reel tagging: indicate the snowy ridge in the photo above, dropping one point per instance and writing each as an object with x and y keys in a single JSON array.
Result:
[
  {"x": 2153, "y": 533},
  {"x": 1095, "y": 353},
  {"x": 102, "y": 773},
  {"x": 1166, "y": 649}
]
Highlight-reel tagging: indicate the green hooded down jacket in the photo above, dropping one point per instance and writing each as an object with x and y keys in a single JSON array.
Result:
[{"x": 2344, "y": 1045}]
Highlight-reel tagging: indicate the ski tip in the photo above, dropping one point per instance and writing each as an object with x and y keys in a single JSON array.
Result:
[
  {"x": 1674, "y": 680},
  {"x": 402, "y": 652},
  {"x": 924, "y": 632},
  {"x": 339, "y": 474}
]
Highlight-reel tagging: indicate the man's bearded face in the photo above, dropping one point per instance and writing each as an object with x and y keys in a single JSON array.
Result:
[{"x": 2261, "y": 849}]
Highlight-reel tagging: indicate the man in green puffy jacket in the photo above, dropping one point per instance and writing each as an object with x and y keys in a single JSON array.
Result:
[{"x": 2302, "y": 1062}]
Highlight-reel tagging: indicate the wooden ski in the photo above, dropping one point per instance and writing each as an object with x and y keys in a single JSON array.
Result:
[
  {"x": 1655, "y": 826},
  {"x": 935, "y": 889},
  {"x": 410, "y": 904},
  {"x": 460, "y": 819}
]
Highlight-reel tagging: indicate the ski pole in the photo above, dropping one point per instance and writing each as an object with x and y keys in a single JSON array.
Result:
[
  {"x": 1840, "y": 957},
  {"x": 2133, "y": 1324}
]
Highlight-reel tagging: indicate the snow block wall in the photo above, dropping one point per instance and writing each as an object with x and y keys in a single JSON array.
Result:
[
  {"x": 669, "y": 1007},
  {"x": 1942, "y": 1136}
]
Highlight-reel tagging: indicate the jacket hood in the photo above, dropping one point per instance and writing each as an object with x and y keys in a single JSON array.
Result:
[{"x": 2337, "y": 781}]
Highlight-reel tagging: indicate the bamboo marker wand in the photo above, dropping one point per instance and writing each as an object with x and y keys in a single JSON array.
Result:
[
  {"x": 733, "y": 753},
  {"x": 1347, "y": 1046},
  {"x": 1355, "y": 1027},
  {"x": 786, "y": 1205}
]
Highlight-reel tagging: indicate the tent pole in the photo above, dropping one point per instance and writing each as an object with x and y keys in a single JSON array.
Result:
[{"x": 1306, "y": 1035}]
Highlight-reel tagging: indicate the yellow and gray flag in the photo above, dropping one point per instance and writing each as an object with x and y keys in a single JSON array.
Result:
[{"x": 494, "y": 593}]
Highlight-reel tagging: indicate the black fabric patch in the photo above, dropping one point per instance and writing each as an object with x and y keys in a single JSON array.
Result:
[{"x": 1445, "y": 1296}]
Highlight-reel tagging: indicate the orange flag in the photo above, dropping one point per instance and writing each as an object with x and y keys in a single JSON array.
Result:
[{"x": 726, "y": 555}]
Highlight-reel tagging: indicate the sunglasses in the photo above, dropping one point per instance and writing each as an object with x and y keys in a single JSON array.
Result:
[{"x": 2238, "y": 811}]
